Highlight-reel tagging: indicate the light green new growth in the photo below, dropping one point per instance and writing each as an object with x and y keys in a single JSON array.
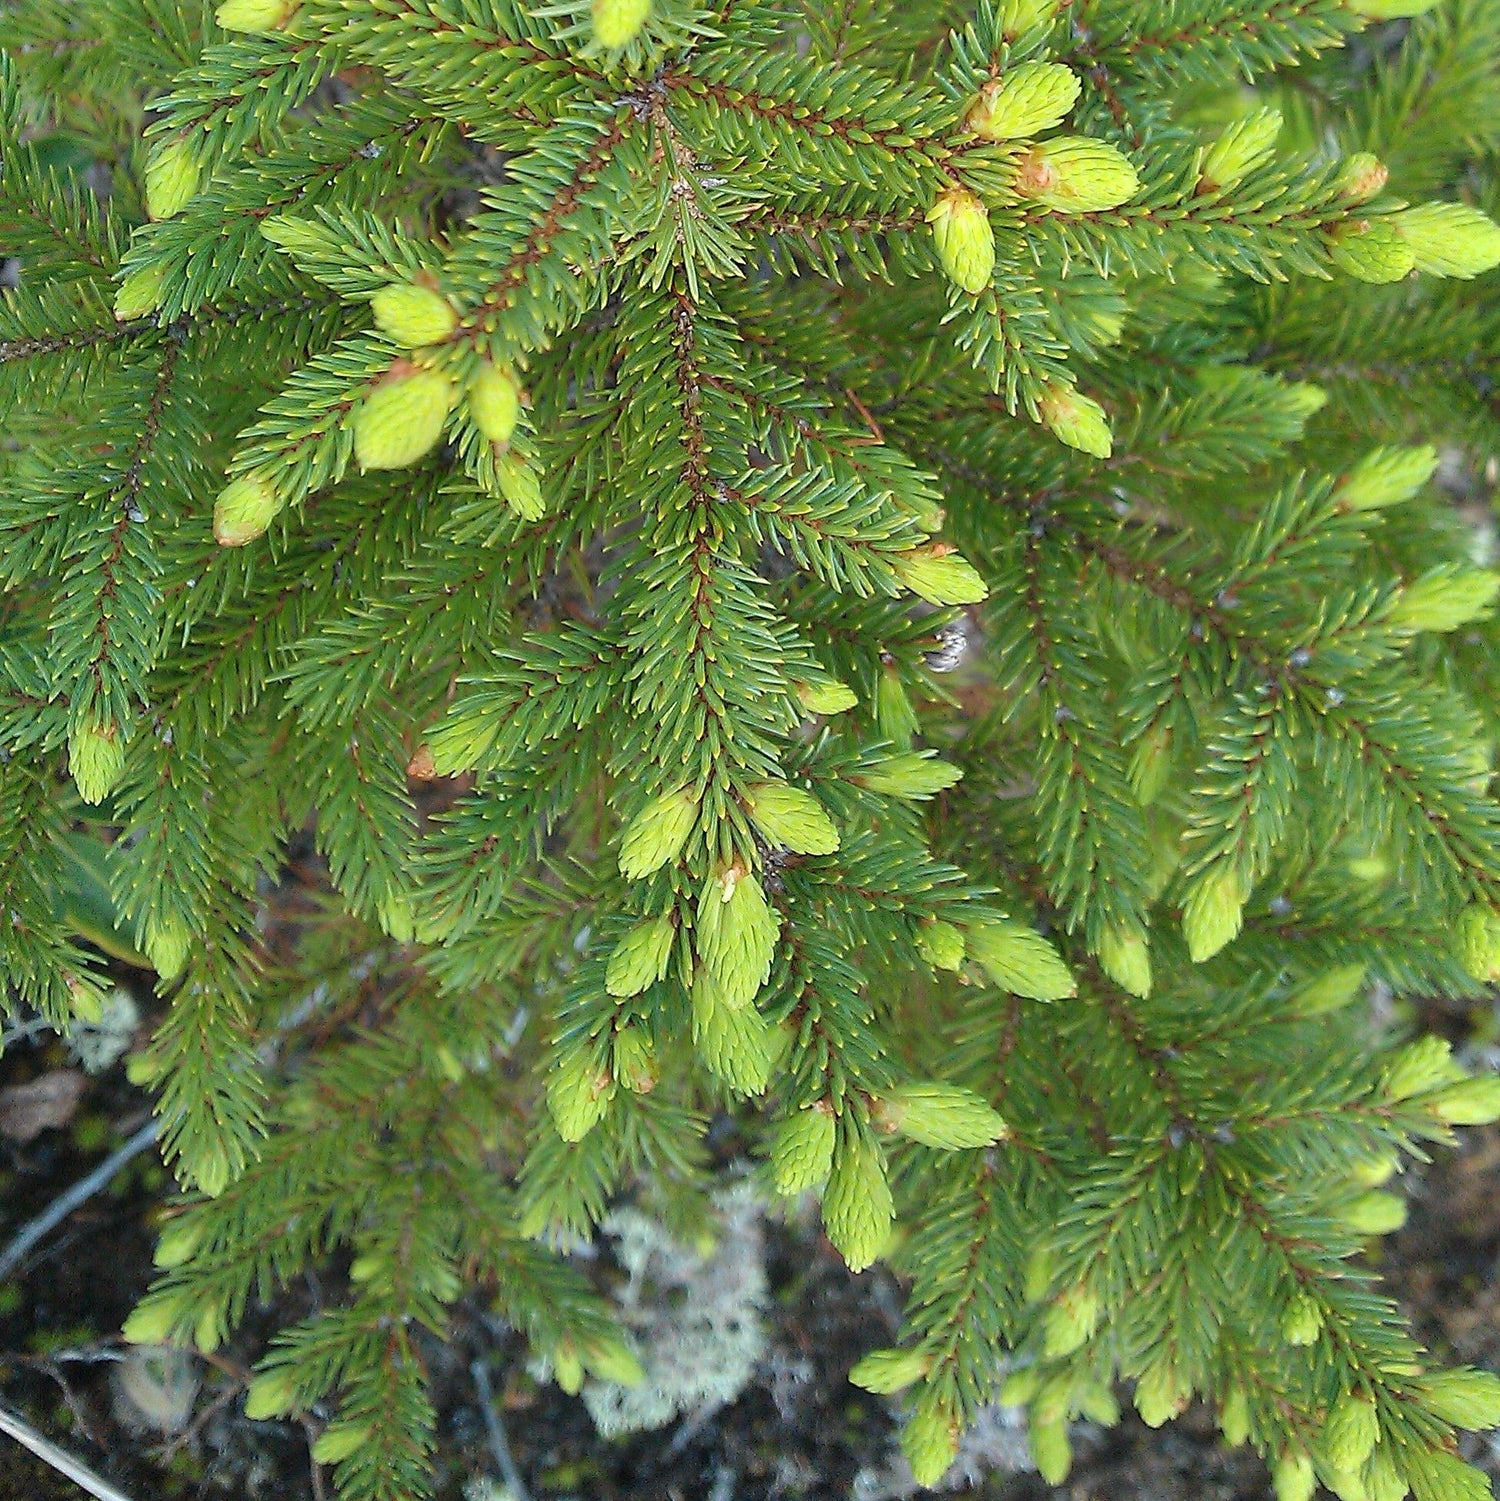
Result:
[{"x": 876, "y": 570}]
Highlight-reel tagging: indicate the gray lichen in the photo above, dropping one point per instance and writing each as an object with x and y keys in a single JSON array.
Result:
[{"x": 695, "y": 1317}]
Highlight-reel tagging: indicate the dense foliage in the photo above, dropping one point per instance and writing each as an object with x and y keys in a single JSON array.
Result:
[{"x": 873, "y": 568}]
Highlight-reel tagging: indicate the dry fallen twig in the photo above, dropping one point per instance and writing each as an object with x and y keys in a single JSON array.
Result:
[
  {"x": 496, "y": 1430},
  {"x": 80, "y": 1193},
  {"x": 44, "y": 1449}
]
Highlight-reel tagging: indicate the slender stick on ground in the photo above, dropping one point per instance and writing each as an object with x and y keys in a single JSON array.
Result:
[
  {"x": 80, "y": 1193},
  {"x": 44, "y": 1449},
  {"x": 498, "y": 1446}
]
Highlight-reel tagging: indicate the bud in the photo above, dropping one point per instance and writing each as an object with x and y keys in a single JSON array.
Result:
[
  {"x": 1051, "y": 1451},
  {"x": 1372, "y": 1171},
  {"x": 1075, "y": 419},
  {"x": 640, "y": 957},
  {"x": 177, "y": 1244},
  {"x": 520, "y": 487},
  {"x": 894, "y": 716},
  {"x": 1302, "y": 398},
  {"x": 1351, "y": 1432},
  {"x": 735, "y": 936},
  {"x": 1160, "y": 1395},
  {"x": 965, "y": 242},
  {"x": 139, "y": 294},
  {"x": 397, "y": 920},
  {"x": 1375, "y": 1213},
  {"x": 1479, "y": 941},
  {"x": 208, "y": 1331},
  {"x": 1362, "y": 177},
  {"x": 1386, "y": 477},
  {"x": 1439, "y": 1475},
  {"x": 171, "y": 180},
  {"x": 272, "y": 1394},
  {"x": 1467, "y": 1399},
  {"x": 423, "y": 764},
  {"x": 1037, "y": 1278},
  {"x": 941, "y": 945},
  {"x": 84, "y": 1000},
  {"x": 887, "y": 1371},
  {"x": 1444, "y": 598},
  {"x": 802, "y": 1151},
  {"x": 736, "y": 1043},
  {"x": 1151, "y": 764},
  {"x": 1020, "y": 1386},
  {"x": 1243, "y": 148},
  {"x": 448, "y": 1065},
  {"x": 1028, "y": 100},
  {"x": 613, "y": 1360},
  {"x": 402, "y": 418},
  {"x": 1383, "y": 1481},
  {"x": 791, "y": 818},
  {"x": 567, "y": 1367},
  {"x": 915, "y": 774},
  {"x": 857, "y": 1207},
  {"x": 257, "y": 17},
  {"x": 1474, "y": 1102},
  {"x": 412, "y": 315},
  {"x": 635, "y": 1059},
  {"x": 1347, "y": 1485},
  {"x": 1376, "y": 869},
  {"x": 1020, "y": 960},
  {"x": 153, "y": 1319},
  {"x": 1330, "y": 991},
  {"x": 1371, "y": 251},
  {"x": 96, "y": 757},
  {"x": 373, "y": 1267},
  {"x": 245, "y": 508},
  {"x": 338, "y": 1441},
  {"x": 1126, "y": 959},
  {"x": 657, "y": 833},
  {"x": 1234, "y": 1417},
  {"x": 1389, "y": 10},
  {"x": 940, "y": 1115},
  {"x": 495, "y": 402},
  {"x": 1424, "y": 1064},
  {"x": 167, "y": 943},
  {"x": 930, "y": 1443},
  {"x": 1450, "y": 239},
  {"x": 578, "y": 1094},
  {"x": 1302, "y": 1322},
  {"x": 1070, "y": 1321},
  {"x": 1292, "y": 1477},
  {"x": 142, "y": 1070},
  {"x": 209, "y": 1169},
  {"x": 617, "y": 23},
  {"x": 826, "y": 696},
  {"x": 1214, "y": 910},
  {"x": 1018, "y": 16},
  {"x": 1097, "y": 1403},
  {"x": 1076, "y": 175},
  {"x": 939, "y": 575}
]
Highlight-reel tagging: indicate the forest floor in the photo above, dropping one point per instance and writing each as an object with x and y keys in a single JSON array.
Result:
[{"x": 797, "y": 1430}]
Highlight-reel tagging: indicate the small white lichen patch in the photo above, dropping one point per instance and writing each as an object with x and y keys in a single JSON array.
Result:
[
  {"x": 154, "y": 1387},
  {"x": 994, "y": 1443},
  {"x": 694, "y": 1317},
  {"x": 100, "y": 1044},
  {"x": 482, "y": 1488}
]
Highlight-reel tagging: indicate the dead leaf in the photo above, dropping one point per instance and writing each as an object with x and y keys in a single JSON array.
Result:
[{"x": 26, "y": 1110}]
